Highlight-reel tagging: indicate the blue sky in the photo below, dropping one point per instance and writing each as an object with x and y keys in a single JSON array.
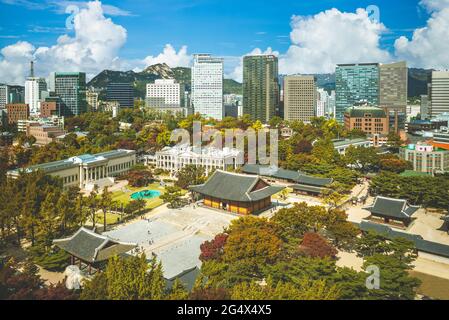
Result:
[
  {"x": 309, "y": 36},
  {"x": 231, "y": 27}
]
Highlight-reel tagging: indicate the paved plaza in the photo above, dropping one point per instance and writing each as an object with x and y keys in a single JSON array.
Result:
[{"x": 174, "y": 235}]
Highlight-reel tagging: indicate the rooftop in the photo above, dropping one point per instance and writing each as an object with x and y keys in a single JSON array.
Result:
[
  {"x": 291, "y": 175},
  {"x": 92, "y": 247},
  {"x": 392, "y": 208},
  {"x": 75, "y": 161},
  {"x": 362, "y": 111},
  {"x": 189, "y": 151},
  {"x": 236, "y": 187},
  {"x": 344, "y": 142}
]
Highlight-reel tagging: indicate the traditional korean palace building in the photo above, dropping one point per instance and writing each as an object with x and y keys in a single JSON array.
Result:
[
  {"x": 91, "y": 250},
  {"x": 87, "y": 170},
  {"x": 237, "y": 193},
  {"x": 303, "y": 184},
  {"x": 394, "y": 211}
]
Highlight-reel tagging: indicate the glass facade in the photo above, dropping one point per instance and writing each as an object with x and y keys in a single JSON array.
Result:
[
  {"x": 260, "y": 87},
  {"x": 71, "y": 89},
  {"x": 207, "y": 86},
  {"x": 123, "y": 93},
  {"x": 355, "y": 83}
]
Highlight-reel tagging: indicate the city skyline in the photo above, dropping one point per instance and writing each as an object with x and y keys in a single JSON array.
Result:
[{"x": 105, "y": 36}]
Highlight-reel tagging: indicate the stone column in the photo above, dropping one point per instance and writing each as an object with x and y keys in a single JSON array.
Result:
[{"x": 81, "y": 177}]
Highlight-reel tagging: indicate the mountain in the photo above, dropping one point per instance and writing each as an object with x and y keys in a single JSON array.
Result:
[
  {"x": 417, "y": 80},
  {"x": 151, "y": 73}
]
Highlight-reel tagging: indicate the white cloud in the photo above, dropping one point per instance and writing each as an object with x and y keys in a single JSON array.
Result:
[
  {"x": 15, "y": 62},
  {"x": 429, "y": 46},
  {"x": 321, "y": 41},
  {"x": 170, "y": 57},
  {"x": 94, "y": 47},
  {"x": 432, "y": 5}
]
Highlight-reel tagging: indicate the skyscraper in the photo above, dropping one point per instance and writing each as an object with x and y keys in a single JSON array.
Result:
[
  {"x": 355, "y": 83},
  {"x": 439, "y": 93},
  {"x": 393, "y": 86},
  {"x": 260, "y": 87},
  {"x": 393, "y": 93},
  {"x": 123, "y": 93},
  {"x": 4, "y": 96},
  {"x": 71, "y": 89},
  {"x": 300, "y": 98},
  {"x": 92, "y": 100},
  {"x": 165, "y": 93},
  {"x": 16, "y": 94},
  {"x": 33, "y": 90},
  {"x": 207, "y": 86}
]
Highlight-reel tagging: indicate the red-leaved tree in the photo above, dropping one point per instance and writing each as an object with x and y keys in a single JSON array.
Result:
[
  {"x": 212, "y": 250},
  {"x": 315, "y": 246}
]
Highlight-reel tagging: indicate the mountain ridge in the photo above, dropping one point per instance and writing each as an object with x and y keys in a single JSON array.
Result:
[{"x": 417, "y": 79}]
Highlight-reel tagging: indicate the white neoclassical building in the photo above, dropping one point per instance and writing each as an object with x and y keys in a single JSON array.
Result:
[
  {"x": 86, "y": 171},
  {"x": 175, "y": 158}
]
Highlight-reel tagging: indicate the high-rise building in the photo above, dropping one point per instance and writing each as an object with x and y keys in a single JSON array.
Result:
[
  {"x": 330, "y": 111},
  {"x": 17, "y": 111},
  {"x": 261, "y": 87},
  {"x": 300, "y": 96},
  {"x": 4, "y": 96},
  {"x": 424, "y": 107},
  {"x": 439, "y": 93},
  {"x": 33, "y": 90},
  {"x": 123, "y": 93},
  {"x": 165, "y": 93},
  {"x": 393, "y": 93},
  {"x": 355, "y": 83},
  {"x": 16, "y": 94},
  {"x": 393, "y": 86},
  {"x": 92, "y": 100},
  {"x": 71, "y": 89},
  {"x": 207, "y": 86},
  {"x": 322, "y": 100},
  {"x": 33, "y": 93}
]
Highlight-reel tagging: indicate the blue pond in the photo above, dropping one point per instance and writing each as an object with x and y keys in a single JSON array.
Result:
[{"x": 145, "y": 194}]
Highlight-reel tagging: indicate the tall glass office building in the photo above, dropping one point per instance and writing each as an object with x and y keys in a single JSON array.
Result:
[
  {"x": 123, "y": 93},
  {"x": 260, "y": 87},
  {"x": 71, "y": 89},
  {"x": 355, "y": 83},
  {"x": 207, "y": 86}
]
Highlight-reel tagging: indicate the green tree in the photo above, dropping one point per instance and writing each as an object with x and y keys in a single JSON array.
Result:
[
  {"x": 172, "y": 196},
  {"x": 178, "y": 292},
  {"x": 93, "y": 203},
  {"x": 395, "y": 281},
  {"x": 190, "y": 175},
  {"x": 305, "y": 290},
  {"x": 105, "y": 204}
]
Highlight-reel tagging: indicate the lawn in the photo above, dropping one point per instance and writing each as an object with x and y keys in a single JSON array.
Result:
[
  {"x": 111, "y": 218},
  {"x": 125, "y": 197},
  {"x": 435, "y": 287}
]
